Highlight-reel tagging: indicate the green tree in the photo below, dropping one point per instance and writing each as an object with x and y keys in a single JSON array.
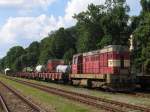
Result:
[
  {"x": 88, "y": 28},
  {"x": 62, "y": 41},
  {"x": 32, "y": 55},
  {"x": 103, "y": 25},
  {"x": 141, "y": 36},
  {"x": 145, "y": 5},
  {"x": 1, "y": 65},
  {"x": 56, "y": 44},
  {"x": 106, "y": 40},
  {"x": 12, "y": 55},
  {"x": 46, "y": 50},
  {"x": 68, "y": 56},
  {"x": 147, "y": 66}
]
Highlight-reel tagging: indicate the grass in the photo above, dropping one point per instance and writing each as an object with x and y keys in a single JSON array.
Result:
[
  {"x": 115, "y": 96},
  {"x": 55, "y": 103}
]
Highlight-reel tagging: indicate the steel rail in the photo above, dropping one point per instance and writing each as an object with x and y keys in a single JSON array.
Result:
[
  {"x": 4, "y": 105},
  {"x": 135, "y": 107},
  {"x": 75, "y": 96},
  {"x": 117, "y": 103},
  {"x": 23, "y": 98}
]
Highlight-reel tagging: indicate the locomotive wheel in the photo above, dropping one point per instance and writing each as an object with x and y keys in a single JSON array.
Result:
[
  {"x": 70, "y": 82},
  {"x": 89, "y": 83}
]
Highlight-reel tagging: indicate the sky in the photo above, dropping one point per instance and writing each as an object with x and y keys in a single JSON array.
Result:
[{"x": 25, "y": 21}]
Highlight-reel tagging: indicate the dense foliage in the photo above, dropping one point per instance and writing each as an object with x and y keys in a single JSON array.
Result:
[
  {"x": 102, "y": 25},
  {"x": 141, "y": 33},
  {"x": 98, "y": 26}
]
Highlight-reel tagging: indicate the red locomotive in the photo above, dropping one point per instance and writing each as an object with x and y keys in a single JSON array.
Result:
[{"x": 107, "y": 68}]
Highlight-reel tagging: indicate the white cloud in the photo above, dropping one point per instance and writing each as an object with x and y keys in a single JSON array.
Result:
[
  {"x": 10, "y": 2},
  {"x": 24, "y": 30},
  {"x": 77, "y": 6},
  {"x": 26, "y": 4},
  {"x": 33, "y": 28}
]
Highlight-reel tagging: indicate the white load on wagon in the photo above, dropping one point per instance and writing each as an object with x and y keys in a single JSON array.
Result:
[
  {"x": 6, "y": 70},
  {"x": 40, "y": 68},
  {"x": 63, "y": 68},
  {"x": 28, "y": 69}
]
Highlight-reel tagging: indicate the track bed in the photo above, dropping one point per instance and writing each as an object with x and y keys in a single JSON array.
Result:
[
  {"x": 3, "y": 105},
  {"x": 140, "y": 98},
  {"x": 15, "y": 101},
  {"x": 102, "y": 103}
]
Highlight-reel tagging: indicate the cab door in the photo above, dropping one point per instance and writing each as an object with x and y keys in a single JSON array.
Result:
[{"x": 77, "y": 64}]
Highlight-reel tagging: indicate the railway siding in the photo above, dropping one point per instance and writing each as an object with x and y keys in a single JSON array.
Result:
[{"x": 106, "y": 104}]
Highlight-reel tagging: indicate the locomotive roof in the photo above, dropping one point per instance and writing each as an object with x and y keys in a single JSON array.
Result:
[
  {"x": 51, "y": 60},
  {"x": 76, "y": 55},
  {"x": 110, "y": 48}
]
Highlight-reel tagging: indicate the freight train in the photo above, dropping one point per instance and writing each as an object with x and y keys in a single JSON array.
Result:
[{"x": 107, "y": 68}]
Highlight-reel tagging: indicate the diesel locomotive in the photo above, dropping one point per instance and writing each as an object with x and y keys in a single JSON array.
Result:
[{"x": 107, "y": 68}]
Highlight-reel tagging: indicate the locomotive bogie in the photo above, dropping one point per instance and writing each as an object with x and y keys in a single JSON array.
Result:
[
  {"x": 102, "y": 81},
  {"x": 143, "y": 81}
]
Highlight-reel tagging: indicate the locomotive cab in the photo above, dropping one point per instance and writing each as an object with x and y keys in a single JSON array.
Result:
[{"x": 77, "y": 63}]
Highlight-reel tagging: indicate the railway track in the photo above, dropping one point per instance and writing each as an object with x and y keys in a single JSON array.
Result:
[
  {"x": 14, "y": 101},
  {"x": 3, "y": 105},
  {"x": 106, "y": 104}
]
